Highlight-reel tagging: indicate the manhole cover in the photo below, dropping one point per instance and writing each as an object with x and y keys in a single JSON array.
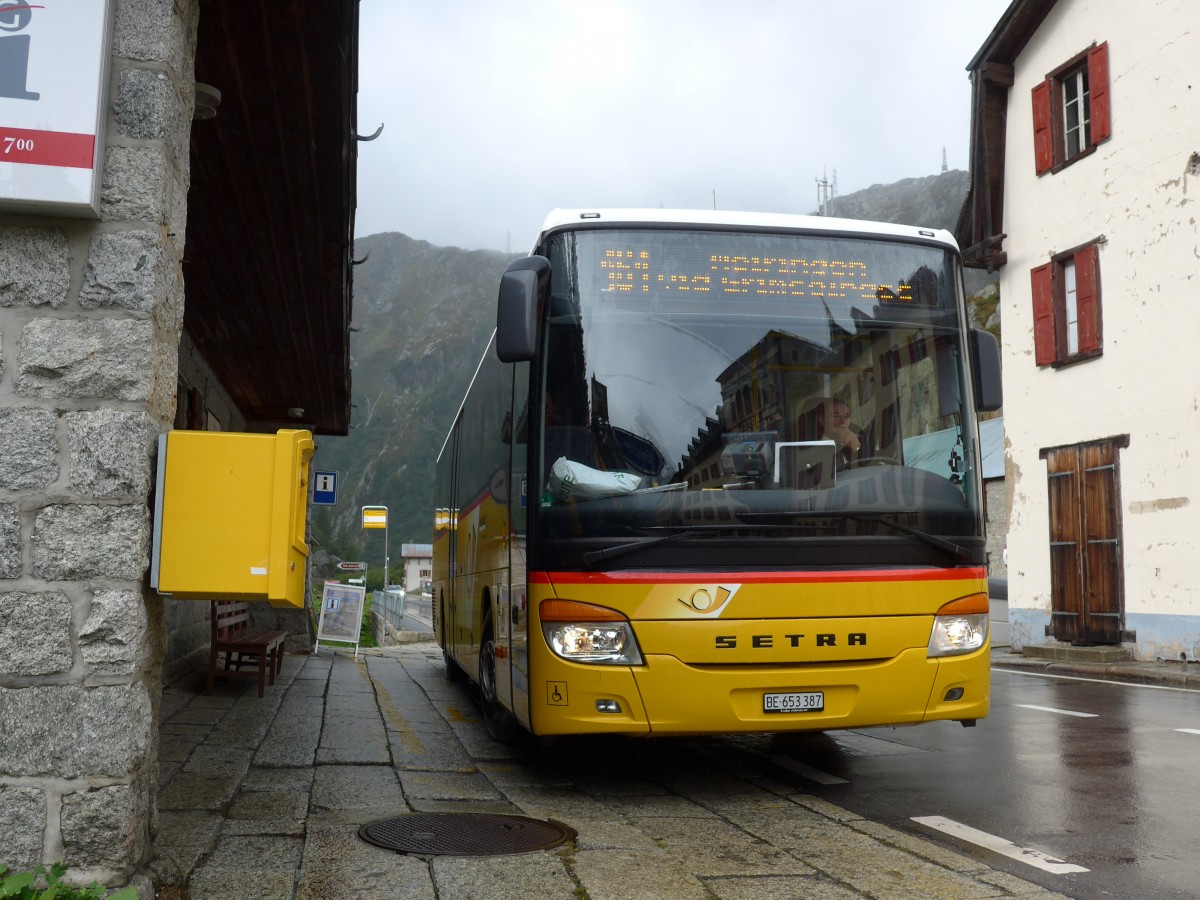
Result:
[{"x": 465, "y": 834}]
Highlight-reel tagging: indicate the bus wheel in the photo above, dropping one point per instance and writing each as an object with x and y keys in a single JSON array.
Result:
[{"x": 500, "y": 723}]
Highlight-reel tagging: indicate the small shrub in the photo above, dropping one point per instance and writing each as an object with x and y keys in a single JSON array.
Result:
[{"x": 25, "y": 886}]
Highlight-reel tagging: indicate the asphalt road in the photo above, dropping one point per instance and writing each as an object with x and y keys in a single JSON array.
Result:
[{"x": 1087, "y": 788}]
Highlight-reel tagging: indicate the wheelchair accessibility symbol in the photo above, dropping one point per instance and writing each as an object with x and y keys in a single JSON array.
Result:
[{"x": 556, "y": 693}]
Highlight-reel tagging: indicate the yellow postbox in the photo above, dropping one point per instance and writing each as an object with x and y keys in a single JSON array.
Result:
[{"x": 230, "y": 515}]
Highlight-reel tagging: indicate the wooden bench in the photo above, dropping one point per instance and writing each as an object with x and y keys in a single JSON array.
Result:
[{"x": 233, "y": 634}]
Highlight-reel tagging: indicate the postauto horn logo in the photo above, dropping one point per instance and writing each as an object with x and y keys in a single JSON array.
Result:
[{"x": 710, "y": 600}]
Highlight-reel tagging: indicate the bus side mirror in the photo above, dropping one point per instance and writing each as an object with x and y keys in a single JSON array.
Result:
[
  {"x": 516, "y": 308},
  {"x": 985, "y": 367}
]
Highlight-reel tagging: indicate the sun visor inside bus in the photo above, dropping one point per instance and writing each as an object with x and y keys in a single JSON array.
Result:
[{"x": 516, "y": 308}]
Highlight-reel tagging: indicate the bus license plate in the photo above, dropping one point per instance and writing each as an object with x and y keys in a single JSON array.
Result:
[{"x": 809, "y": 701}]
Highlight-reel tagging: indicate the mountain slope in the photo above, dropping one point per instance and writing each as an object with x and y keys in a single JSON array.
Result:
[{"x": 422, "y": 314}]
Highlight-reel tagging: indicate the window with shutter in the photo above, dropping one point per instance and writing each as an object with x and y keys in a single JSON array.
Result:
[
  {"x": 1043, "y": 138},
  {"x": 1043, "y": 315},
  {"x": 1101, "y": 115},
  {"x": 1087, "y": 299},
  {"x": 1066, "y": 307},
  {"x": 1072, "y": 111}
]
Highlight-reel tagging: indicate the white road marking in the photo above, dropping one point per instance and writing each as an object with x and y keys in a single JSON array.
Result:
[
  {"x": 1061, "y": 712},
  {"x": 999, "y": 845},
  {"x": 807, "y": 771},
  {"x": 1189, "y": 730}
]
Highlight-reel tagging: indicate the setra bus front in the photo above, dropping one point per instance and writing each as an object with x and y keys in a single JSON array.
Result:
[{"x": 752, "y": 486}]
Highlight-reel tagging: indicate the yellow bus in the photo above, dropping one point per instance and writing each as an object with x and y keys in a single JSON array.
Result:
[{"x": 719, "y": 472}]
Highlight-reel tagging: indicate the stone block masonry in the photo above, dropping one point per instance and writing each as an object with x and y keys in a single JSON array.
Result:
[
  {"x": 33, "y": 267},
  {"x": 90, "y": 319}
]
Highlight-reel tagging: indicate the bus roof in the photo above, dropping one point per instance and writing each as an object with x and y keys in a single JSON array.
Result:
[{"x": 584, "y": 218}]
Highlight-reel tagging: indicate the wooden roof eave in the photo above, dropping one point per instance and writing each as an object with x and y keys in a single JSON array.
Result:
[{"x": 980, "y": 225}]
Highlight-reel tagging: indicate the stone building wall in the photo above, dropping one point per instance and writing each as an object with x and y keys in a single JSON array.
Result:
[
  {"x": 996, "y": 500},
  {"x": 90, "y": 320}
]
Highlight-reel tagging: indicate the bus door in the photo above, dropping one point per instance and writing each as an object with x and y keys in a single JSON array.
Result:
[
  {"x": 517, "y": 614},
  {"x": 503, "y": 638},
  {"x": 516, "y": 605},
  {"x": 493, "y": 543},
  {"x": 494, "y": 523}
]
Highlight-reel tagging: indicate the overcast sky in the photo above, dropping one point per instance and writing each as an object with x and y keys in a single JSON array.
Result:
[{"x": 494, "y": 113}]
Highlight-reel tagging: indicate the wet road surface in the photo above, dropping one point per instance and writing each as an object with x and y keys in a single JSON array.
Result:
[{"x": 1087, "y": 788}]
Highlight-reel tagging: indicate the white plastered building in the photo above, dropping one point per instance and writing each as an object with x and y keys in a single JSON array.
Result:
[{"x": 1085, "y": 192}]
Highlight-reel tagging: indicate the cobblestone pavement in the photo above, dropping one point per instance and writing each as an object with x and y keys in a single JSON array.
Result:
[{"x": 264, "y": 799}]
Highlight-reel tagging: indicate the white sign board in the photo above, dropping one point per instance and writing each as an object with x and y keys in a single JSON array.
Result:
[
  {"x": 54, "y": 63},
  {"x": 341, "y": 614}
]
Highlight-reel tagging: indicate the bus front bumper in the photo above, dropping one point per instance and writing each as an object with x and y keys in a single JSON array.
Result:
[{"x": 667, "y": 696}]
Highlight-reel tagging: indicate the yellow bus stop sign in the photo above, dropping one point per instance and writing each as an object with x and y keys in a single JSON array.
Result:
[{"x": 374, "y": 517}]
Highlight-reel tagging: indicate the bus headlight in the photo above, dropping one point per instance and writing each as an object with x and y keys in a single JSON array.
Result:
[
  {"x": 960, "y": 626},
  {"x": 583, "y": 632}
]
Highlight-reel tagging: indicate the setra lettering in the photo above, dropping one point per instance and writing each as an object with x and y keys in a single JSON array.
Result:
[{"x": 767, "y": 641}]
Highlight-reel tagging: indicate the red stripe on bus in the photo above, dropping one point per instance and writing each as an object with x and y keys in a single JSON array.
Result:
[
  {"x": 465, "y": 511},
  {"x": 848, "y": 575},
  {"x": 47, "y": 148}
]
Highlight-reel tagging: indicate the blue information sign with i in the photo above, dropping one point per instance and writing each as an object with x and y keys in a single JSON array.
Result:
[{"x": 324, "y": 488}]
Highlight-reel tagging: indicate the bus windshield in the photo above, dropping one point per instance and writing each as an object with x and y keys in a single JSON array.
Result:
[{"x": 812, "y": 384}]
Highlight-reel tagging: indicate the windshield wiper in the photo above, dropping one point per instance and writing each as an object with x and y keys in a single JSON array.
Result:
[
  {"x": 932, "y": 539},
  {"x": 682, "y": 532}
]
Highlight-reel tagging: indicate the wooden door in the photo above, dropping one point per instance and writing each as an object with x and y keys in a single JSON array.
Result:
[{"x": 1086, "y": 563}]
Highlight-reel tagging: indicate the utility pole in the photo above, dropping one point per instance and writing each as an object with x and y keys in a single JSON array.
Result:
[{"x": 826, "y": 191}]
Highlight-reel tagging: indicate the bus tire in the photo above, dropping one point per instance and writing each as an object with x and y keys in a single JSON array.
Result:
[{"x": 500, "y": 723}]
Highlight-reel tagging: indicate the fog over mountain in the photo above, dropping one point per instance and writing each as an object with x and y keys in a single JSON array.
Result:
[{"x": 422, "y": 315}]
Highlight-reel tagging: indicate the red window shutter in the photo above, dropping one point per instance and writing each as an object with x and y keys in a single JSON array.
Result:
[
  {"x": 1087, "y": 298},
  {"x": 1045, "y": 345},
  {"x": 1043, "y": 140},
  {"x": 1101, "y": 111}
]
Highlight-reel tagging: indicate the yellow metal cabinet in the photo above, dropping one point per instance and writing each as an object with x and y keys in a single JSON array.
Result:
[{"x": 230, "y": 515}]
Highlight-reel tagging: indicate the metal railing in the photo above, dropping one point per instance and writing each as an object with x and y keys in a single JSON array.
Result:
[{"x": 387, "y": 611}]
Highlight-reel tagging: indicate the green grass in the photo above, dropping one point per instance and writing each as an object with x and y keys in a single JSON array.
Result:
[{"x": 366, "y": 638}]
